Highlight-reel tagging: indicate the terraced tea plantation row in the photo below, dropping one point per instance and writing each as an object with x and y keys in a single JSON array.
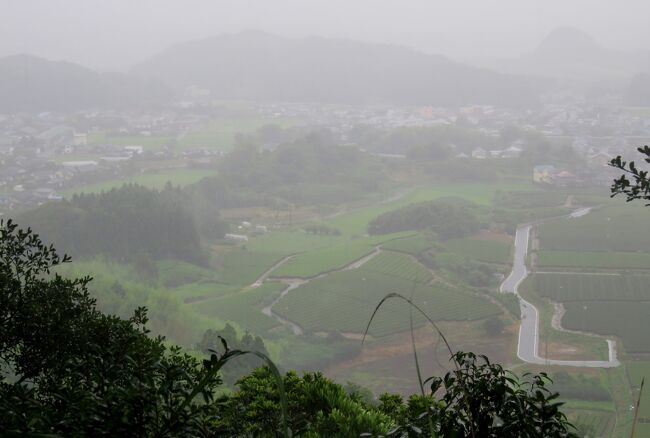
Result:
[
  {"x": 593, "y": 423},
  {"x": 629, "y": 320},
  {"x": 399, "y": 266},
  {"x": 344, "y": 301},
  {"x": 594, "y": 260},
  {"x": 616, "y": 305},
  {"x": 312, "y": 263},
  {"x": 243, "y": 307},
  {"x": 618, "y": 228},
  {"x": 410, "y": 245},
  {"x": 586, "y": 287}
]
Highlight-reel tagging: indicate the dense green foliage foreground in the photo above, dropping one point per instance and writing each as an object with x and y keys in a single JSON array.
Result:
[{"x": 69, "y": 370}]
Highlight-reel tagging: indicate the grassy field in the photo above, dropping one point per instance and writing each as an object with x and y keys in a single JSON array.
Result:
[
  {"x": 343, "y": 301},
  {"x": 530, "y": 200},
  {"x": 585, "y": 287},
  {"x": 637, "y": 370},
  {"x": 356, "y": 222},
  {"x": 193, "y": 292},
  {"x": 148, "y": 142},
  {"x": 490, "y": 251},
  {"x": 312, "y": 263},
  {"x": 174, "y": 273},
  {"x": 291, "y": 242},
  {"x": 242, "y": 267},
  {"x": 594, "y": 260},
  {"x": 618, "y": 228},
  {"x": 243, "y": 307},
  {"x": 157, "y": 180}
]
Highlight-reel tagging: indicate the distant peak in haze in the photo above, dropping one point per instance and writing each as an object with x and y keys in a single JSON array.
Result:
[{"x": 568, "y": 40}]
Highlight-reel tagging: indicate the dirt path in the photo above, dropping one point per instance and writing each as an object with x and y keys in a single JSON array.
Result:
[{"x": 266, "y": 274}]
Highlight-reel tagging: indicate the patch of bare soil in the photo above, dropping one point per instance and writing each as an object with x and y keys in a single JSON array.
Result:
[
  {"x": 387, "y": 364},
  {"x": 497, "y": 236}
]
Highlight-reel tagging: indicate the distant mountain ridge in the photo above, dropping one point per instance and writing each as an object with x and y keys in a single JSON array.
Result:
[
  {"x": 568, "y": 53},
  {"x": 259, "y": 66},
  {"x": 30, "y": 83}
]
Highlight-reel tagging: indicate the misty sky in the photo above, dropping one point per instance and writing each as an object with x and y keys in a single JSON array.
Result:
[{"x": 114, "y": 34}]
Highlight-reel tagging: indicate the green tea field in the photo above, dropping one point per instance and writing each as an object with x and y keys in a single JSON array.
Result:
[
  {"x": 244, "y": 307},
  {"x": 588, "y": 287},
  {"x": 344, "y": 301},
  {"x": 619, "y": 228},
  {"x": 593, "y": 259}
]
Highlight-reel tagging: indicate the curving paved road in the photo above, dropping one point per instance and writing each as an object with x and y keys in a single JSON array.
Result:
[{"x": 528, "y": 330}]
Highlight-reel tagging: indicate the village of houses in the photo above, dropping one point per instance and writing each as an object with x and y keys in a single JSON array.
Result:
[{"x": 43, "y": 156}]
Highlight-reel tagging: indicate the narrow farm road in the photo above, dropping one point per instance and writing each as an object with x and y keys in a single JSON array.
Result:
[{"x": 529, "y": 328}]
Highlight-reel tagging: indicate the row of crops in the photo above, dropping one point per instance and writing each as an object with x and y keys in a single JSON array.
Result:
[
  {"x": 616, "y": 228},
  {"x": 344, "y": 301},
  {"x": 593, "y": 259},
  {"x": 616, "y": 305},
  {"x": 629, "y": 320},
  {"x": 243, "y": 307},
  {"x": 609, "y": 238},
  {"x": 399, "y": 266},
  {"x": 410, "y": 245},
  {"x": 593, "y": 423},
  {"x": 596, "y": 287},
  {"x": 312, "y": 263}
]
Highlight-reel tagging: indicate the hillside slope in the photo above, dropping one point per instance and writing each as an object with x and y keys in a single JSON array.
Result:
[
  {"x": 29, "y": 83},
  {"x": 259, "y": 66}
]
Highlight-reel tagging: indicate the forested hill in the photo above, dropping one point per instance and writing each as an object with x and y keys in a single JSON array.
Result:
[
  {"x": 308, "y": 171},
  {"x": 29, "y": 83},
  {"x": 259, "y": 66},
  {"x": 123, "y": 223}
]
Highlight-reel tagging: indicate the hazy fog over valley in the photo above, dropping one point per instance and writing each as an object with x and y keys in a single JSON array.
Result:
[{"x": 283, "y": 216}]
